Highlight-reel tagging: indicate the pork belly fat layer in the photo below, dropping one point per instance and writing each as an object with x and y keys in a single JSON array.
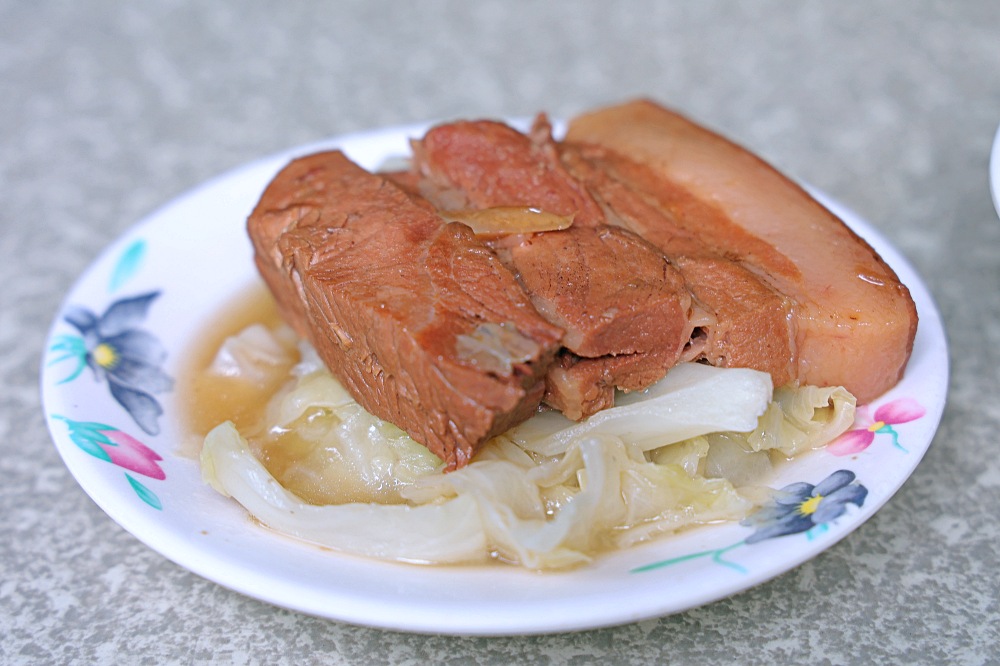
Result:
[{"x": 416, "y": 317}]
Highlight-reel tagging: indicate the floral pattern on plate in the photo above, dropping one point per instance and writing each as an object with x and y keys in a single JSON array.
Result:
[
  {"x": 111, "y": 445},
  {"x": 121, "y": 354},
  {"x": 867, "y": 425},
  {"x": 128, "y": 360},
  {"x": 796, "y": 508}
]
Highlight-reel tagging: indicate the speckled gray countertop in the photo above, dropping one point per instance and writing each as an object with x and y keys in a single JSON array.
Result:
[{"x": 109, "y": 109}]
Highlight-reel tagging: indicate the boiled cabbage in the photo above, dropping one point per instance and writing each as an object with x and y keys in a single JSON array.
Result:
[{"x": 550, "y": 493}]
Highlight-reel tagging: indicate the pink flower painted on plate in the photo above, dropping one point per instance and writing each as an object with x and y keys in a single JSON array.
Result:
[
  {"x": 111, "y": 445},
  {"x": 867, "y": 425},
  {"x": 130, "y": 453}
]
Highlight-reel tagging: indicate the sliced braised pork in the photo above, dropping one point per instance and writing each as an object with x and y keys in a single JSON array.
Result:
[
  {"x": 853, "y": 321},
  {"x": 670, "y": 244},
  {"x": 739, "y": 319},
  {"x": 624, "y": 308},
  {"x": 416, "y": 317}
]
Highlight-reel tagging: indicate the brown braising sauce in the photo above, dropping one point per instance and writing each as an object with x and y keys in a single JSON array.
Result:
[{"x": 209, "y": 399}]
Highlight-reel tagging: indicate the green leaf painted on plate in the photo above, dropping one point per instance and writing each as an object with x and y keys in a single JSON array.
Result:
[
  {"x": 144, "y": 493},
  {"x": 88, "y": 436},
  {"x": 71, "y": 347},
  {"x": 128, "y": 264}
]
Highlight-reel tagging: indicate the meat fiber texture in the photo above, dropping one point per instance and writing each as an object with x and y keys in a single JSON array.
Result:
[
  {"x": 623, "y": 306},
  {"x": 417, "y": 318}
]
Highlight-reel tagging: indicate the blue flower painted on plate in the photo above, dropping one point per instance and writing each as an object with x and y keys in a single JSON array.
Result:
[
  {"x": 801, "y": 506},
  {"x": 117, "y": 351},
  {"x": 796, "y": 508}
]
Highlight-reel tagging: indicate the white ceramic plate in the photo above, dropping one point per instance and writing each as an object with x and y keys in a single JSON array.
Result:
[
  {"x": 995, "y": 171},
  {"x": 194, "y": 255}
]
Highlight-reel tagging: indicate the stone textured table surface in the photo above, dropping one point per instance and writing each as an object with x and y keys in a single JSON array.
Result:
[{"x": 110, "y": 109}]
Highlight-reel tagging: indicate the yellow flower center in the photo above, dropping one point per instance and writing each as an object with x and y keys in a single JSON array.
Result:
[
  {"x": 875, "y": 427},
  {"x": 105, "y": 355},
  {"x": 809, "y": 507}
]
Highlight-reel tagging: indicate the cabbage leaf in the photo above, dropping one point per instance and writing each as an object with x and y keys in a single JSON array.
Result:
[{"x": 548, "y": 494}]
